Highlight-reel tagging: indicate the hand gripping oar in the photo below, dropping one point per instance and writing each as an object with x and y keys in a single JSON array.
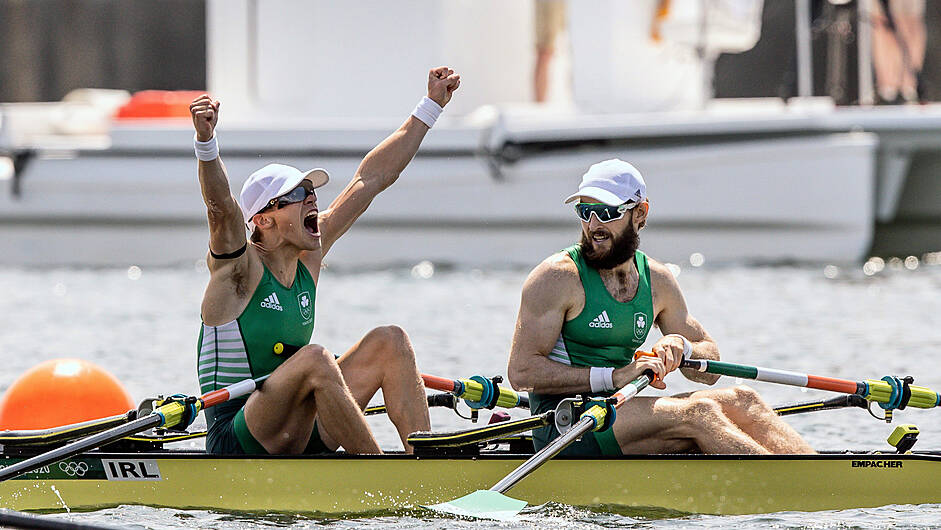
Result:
[
  {"x": 890, "y": 392},
  {"x": 492, "y": 504},
  {"x": 170, "y": 414}
]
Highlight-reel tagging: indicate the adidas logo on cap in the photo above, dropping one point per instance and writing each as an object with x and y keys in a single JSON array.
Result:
[
  {"x": 272, "y": 302},
  {"x": 601, "y": 321}
]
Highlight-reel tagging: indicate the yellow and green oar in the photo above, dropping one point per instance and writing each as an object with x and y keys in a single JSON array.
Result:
[
  {"x": 170, "y": 414},
  {"x": 478, "y": 392},
  {"x": 492, "y": 504},
  {"x": 890, "y": 392}
]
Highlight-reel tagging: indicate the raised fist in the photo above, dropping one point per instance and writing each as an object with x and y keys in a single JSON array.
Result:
[
  {"x": 205, "y": 112},
  {"x": 442, "y": 82}
]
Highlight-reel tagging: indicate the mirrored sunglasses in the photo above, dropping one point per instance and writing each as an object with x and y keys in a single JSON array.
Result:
[
  {"x": 604, "y": 212},
  {"x": 301, "y": 192}
]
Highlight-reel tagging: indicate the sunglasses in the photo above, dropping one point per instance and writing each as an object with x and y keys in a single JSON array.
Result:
[
  {"x": 300, "y": 193},
  {"x": 604, "y": 212}
]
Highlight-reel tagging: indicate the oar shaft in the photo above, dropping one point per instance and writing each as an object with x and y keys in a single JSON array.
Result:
[
  {"x": 96, "y": 440},
  {"x": 871, "y": 389},
  {"x": 553, "y": 448},
  {"x": 772, "y": 375},
  {"x": 559, "y": 444},
  {"x": 838, "y": 402},
  {"x": 242, "y": 388},
  {"x": 434, "y": 400}
]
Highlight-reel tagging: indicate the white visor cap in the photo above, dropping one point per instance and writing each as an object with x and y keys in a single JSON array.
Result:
[
  {"x": 272, "y": 181},
  {"x": 613, "y": 182}
]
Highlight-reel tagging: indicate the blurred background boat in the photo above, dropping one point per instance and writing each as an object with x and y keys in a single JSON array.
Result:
[{"x": 102, "y": 178}]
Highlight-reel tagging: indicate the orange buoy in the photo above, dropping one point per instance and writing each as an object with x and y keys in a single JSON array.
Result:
[{"x": 60, "y": 392}]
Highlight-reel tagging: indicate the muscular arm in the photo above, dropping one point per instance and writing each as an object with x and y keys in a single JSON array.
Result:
[
  {"x": 382, "y": 166},
  {"x": 222, "y": 301},
  {"x": 549, "y": 295},
  {"x": 226, "y": 226},
  {"x": 673, "y": 317},
  {"x": 379, "y": 170},
  {"x": 543, "y": 307}
]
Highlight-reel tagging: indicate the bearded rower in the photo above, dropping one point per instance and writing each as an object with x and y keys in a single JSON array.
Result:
[
  {"x": 262, "y": 290},
  {"x": 585, "y": 310}
]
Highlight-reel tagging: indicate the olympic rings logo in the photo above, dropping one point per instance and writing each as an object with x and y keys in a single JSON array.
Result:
[{"x": 74, "y": 469}]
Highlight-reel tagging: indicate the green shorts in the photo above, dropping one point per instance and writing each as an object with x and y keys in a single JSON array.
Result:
[
  {"x": 229, "y": 435},
  {"x": 592, "y": 443}
]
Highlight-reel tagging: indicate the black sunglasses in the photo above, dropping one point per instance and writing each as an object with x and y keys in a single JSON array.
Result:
[{"x": 301, "y": 192}]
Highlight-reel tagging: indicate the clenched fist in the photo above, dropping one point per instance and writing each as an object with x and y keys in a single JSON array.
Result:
[
  {"x": 442, "y": 82},
  {"x": 205, "y": 112}
]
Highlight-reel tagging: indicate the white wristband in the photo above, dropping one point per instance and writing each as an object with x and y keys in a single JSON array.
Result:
[
  {"x": 427, "y": 111},
  {"x": 687, "y": 345},
  {"x": 601, "y": 378},
  {"x": 206, "y": 151}
]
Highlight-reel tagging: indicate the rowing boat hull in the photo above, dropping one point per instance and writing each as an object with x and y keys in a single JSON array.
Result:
[{"x": 336, "y": 484}]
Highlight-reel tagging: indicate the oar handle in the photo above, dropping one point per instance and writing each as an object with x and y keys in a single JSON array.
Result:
[{"x": 631, "y": 389}]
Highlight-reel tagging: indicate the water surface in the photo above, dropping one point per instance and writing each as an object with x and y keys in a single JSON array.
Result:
[{"x": 142, "y": 325}]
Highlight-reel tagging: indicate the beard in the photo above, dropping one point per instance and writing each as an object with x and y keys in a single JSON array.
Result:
[{"x": 623, "y": 247}]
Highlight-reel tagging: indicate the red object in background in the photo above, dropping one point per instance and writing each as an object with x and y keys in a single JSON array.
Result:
[
  {"x": 60, "y": 392},
  {"x": 158, "y": 104}
]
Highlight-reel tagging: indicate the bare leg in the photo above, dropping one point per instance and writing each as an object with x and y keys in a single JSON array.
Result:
[
  {"x": 670, "y": 425},
  {"x": 309, "y": 385},
  {"x": 541, "y": 74},
  {"x": 912, "y": 31},
  {"x": 886, "y": 56},
  {"x": 384, "y": 359},
  {"x": 745, "y": 408}
]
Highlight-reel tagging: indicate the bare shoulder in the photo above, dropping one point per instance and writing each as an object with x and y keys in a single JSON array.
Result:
[
  {"x": 554, "y": 279},
  {"x": 231, "y": 285},
  {"x": 660, "y": 274},
  {"x": 666, "y": 290}
]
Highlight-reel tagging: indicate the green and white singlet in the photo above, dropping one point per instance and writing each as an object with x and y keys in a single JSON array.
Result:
[
  {"x": 244, "y": 348},
  {"x": 606, "y": 333}
]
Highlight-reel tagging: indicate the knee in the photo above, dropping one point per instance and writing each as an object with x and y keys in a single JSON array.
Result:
[
  {"x": 745, "y": 398},
  {"x": 391, "y": 340},
  {"x": 746, "y": 395},
  {"x": 319, "y": 364},
  {"x": 314, "y": 354},
  {"x": 700, "y": 414}
]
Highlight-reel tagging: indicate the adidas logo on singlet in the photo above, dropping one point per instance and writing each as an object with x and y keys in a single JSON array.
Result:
[
  {"x": 601, "y": 321},
  {"x": 272, "y": 302}
]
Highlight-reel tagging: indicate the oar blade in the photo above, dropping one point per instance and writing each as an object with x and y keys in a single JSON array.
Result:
[{"x": 482, "y": 504}]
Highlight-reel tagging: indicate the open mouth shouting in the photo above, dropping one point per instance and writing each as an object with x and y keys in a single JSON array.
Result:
[{"x": 310, "y": 223}]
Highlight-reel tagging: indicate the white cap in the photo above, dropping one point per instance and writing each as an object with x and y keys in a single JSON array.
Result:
[
  {"x": 271, "y": 181},
  {"x": 612, "y": 182}
]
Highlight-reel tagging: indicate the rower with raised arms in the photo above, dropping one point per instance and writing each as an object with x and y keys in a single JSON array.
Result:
[
  {"x": 262, "y": 290},
  {"x": 585, "y": 310}
]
